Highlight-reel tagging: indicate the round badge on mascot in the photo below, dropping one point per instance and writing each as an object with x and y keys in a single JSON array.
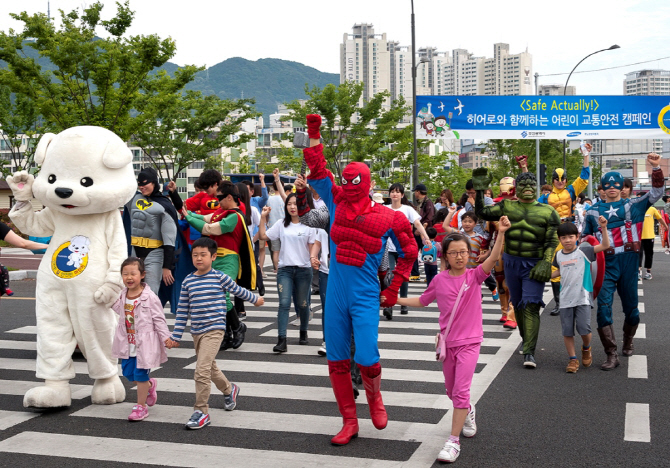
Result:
[{"x": 86, "y": 175}]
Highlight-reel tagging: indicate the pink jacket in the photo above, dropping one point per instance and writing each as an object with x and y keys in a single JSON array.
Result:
[{"x": 151, "y": 330}]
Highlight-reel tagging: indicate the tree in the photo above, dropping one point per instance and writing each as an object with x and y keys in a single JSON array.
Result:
[
  {"x": 189, "y": 126},
  {"x": 21, "y": 125},
  {"x": 551, "y": 154},
  {"x": 353, "y": 131},
  {"x": 89, "y": 80}
]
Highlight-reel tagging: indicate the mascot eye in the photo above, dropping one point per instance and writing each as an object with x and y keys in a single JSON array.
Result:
[
  {"x": 52, "y": 179},
  {"x": 86, "y": 181},
  {"x": 357, "y": 180},
  {"x": 344, "y": 181}
]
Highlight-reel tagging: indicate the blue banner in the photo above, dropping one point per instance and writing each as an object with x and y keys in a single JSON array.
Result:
[{"x": 554, "y": 117}]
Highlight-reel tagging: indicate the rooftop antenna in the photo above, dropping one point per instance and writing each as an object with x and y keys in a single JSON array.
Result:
[{"x": 49, "y": 10}]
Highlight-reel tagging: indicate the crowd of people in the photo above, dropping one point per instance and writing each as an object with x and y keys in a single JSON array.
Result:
[{"x": 205, "y": 256}]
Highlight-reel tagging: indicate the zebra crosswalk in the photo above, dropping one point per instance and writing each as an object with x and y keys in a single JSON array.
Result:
[{"x": 286, "y": 411}]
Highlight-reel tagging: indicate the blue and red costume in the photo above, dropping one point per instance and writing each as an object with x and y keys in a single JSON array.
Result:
[
  {"x": 359, "y": 230},
  {"x": 625, "y": 219}
]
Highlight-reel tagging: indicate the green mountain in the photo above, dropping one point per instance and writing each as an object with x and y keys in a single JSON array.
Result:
[{"x": 269, "y": 81}]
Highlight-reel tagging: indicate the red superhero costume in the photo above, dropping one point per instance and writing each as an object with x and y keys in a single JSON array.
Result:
[
  {"x": 358, "y": 235},
  {"x": 202, "y": 203}
]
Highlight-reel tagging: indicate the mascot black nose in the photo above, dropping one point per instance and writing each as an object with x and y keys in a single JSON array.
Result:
[{"x": 64, "y": 192}]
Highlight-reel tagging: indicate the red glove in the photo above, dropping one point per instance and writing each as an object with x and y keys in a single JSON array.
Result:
[
  {"x": 522, "y": 159},
  {"x": 313, "y": 126},
  {"x": 391, "y": 293}
]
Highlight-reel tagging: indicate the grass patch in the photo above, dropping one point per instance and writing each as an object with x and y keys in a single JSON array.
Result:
[
  {"x": 12, "y": 269},
  {"x": 4, "y": 244}
]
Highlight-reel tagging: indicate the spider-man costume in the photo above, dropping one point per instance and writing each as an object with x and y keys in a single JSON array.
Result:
[{"x": 358, "y": 235}]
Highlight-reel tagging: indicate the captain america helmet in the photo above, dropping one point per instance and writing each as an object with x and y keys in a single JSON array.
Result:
[{"x": 612, "y": 180}]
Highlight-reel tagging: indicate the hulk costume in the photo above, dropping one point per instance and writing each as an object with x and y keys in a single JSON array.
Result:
[{"x": 529, "y": 248}]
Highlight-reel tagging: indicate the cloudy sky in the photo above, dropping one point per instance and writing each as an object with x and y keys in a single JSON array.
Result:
[{"x": 558, "y": 34}]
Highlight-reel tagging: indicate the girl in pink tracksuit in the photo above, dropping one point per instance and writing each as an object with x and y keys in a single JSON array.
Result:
[
  {"x": 141, "y": 335},
  {"x": 465, "y": 335}
]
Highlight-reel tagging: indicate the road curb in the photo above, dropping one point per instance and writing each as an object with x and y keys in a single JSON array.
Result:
[{"x": 22, "y": 274}]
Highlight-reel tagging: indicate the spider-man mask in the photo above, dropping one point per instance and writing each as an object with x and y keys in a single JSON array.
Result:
[{"x": 356, "y": 185}]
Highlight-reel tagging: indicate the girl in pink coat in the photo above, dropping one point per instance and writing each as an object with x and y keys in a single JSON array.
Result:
[{"x": 140, "y": 336}]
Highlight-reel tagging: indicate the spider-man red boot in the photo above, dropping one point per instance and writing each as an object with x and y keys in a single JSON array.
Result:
[
  {"x": 340, "y": 379},
  {"x": 372, "y": 378}
]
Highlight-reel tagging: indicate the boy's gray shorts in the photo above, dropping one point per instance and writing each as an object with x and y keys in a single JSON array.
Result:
[{"x": 579, "y": 316}]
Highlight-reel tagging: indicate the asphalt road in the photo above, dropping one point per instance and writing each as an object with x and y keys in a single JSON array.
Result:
[{"x": 286, "y": 413}]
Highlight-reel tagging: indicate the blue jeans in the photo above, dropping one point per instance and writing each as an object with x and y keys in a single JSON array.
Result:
[
  {"x": 323, "y": 287},
  {"x": 393, "y": 258},
  {"x": 293, "y": 282}
]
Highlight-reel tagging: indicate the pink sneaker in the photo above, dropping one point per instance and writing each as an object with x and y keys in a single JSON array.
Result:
[
  {"x": 139, "y": 413},
  {"x": 152, "y": 396}
]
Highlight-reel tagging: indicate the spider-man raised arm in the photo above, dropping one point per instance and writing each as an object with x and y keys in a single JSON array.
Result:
[{"x": 359, "y": 231}]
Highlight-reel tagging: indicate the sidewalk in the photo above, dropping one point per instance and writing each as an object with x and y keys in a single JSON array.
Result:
[{"x": 22, "y": 260}]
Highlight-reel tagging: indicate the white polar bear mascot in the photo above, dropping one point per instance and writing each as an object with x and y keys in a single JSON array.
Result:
[{"x": 86, "y": 175}]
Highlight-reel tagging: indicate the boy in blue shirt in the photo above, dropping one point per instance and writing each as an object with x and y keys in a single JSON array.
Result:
[
  {"x": 203, "y": 299},
  {"x": 430, "y": 255}
]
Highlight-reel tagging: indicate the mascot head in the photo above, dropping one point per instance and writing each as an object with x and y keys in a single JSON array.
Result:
[
  {"x": 559, "y": 178},
  {"x": 84, "y": 170},
  {"x": 612, "y": 181},
  {"x": 526, "y": 185},
  {"x": 356, "y": 182},
  {"x": 507, "y": 187}
]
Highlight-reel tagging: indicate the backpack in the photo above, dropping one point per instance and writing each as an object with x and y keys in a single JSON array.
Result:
[{"x": 429, "y": 253}]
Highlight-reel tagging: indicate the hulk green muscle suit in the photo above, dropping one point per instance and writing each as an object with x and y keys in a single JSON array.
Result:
[{"x": 529, "y": 247}]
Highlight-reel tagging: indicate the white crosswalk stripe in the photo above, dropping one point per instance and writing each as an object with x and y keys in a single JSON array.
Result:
[{"x": 411, "y": 382}]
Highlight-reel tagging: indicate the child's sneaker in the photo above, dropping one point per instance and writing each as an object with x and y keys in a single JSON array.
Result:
[
  {"x": 139, "y": 413},
  {"x": 647, "y": 276},
  {"x": 230, "y": 401},
  {"x": 198, "y": 420},
  {"x": 573, "y": 366},
  {"x": 470, "y": 425},
  {"x": 495, "y": 295},
  {"x": 152, "y": 396},
  {"x": 449, "y": 452},
  {"x": 322, "y": 349}
]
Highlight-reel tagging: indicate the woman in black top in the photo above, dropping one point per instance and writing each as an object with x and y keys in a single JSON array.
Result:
[{"x": 7, "y": 235}]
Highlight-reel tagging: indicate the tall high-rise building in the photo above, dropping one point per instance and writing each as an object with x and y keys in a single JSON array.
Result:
[
  {"x": 647, "y": 83},
  {"x": 386, "y": 65},
  {"x": 364, "y": 57}
]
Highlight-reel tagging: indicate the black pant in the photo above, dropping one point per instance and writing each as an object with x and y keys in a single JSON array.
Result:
[
  {"x": 239, "y": 303},
  {"x": 491, "y": 283},
  {"x": 415, "y": 266},
  {"x": 647, "y": 251}
]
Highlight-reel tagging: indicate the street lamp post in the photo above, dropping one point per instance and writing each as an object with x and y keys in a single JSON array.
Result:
[
  {"x": 565, "y": 89},
  {"x": 415, "y": 166}
]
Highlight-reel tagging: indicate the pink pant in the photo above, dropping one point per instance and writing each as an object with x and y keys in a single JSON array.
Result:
[{"x": 458, "y": 368}]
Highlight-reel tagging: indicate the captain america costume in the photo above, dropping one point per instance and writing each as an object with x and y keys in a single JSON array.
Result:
[
  {"x": 359, "y": 231},
  {"x": 625, "y": 219}
]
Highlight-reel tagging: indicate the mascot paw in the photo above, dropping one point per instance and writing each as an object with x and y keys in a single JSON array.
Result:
[
  {"x": 481, "y": 178},
  {"x": 107, "y": 294},
  {"x": 53, "y": 394},
  {"x": 541, "y": 272},
  {"x": 21, "y": 184},
  {"x": 108, "y": 391}
]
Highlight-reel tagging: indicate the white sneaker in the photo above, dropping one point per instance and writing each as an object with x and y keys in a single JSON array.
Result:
[
  {"x": 470, "y": 425},
  {"x": 449, "y": 452},
  {"x": 322, "y": 349},
  {"x": 667, "y": 252},
  {"x": 647, "y": 276}
]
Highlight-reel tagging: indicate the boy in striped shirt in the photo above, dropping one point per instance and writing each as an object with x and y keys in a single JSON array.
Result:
[{"x": 203, "y": 298}]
